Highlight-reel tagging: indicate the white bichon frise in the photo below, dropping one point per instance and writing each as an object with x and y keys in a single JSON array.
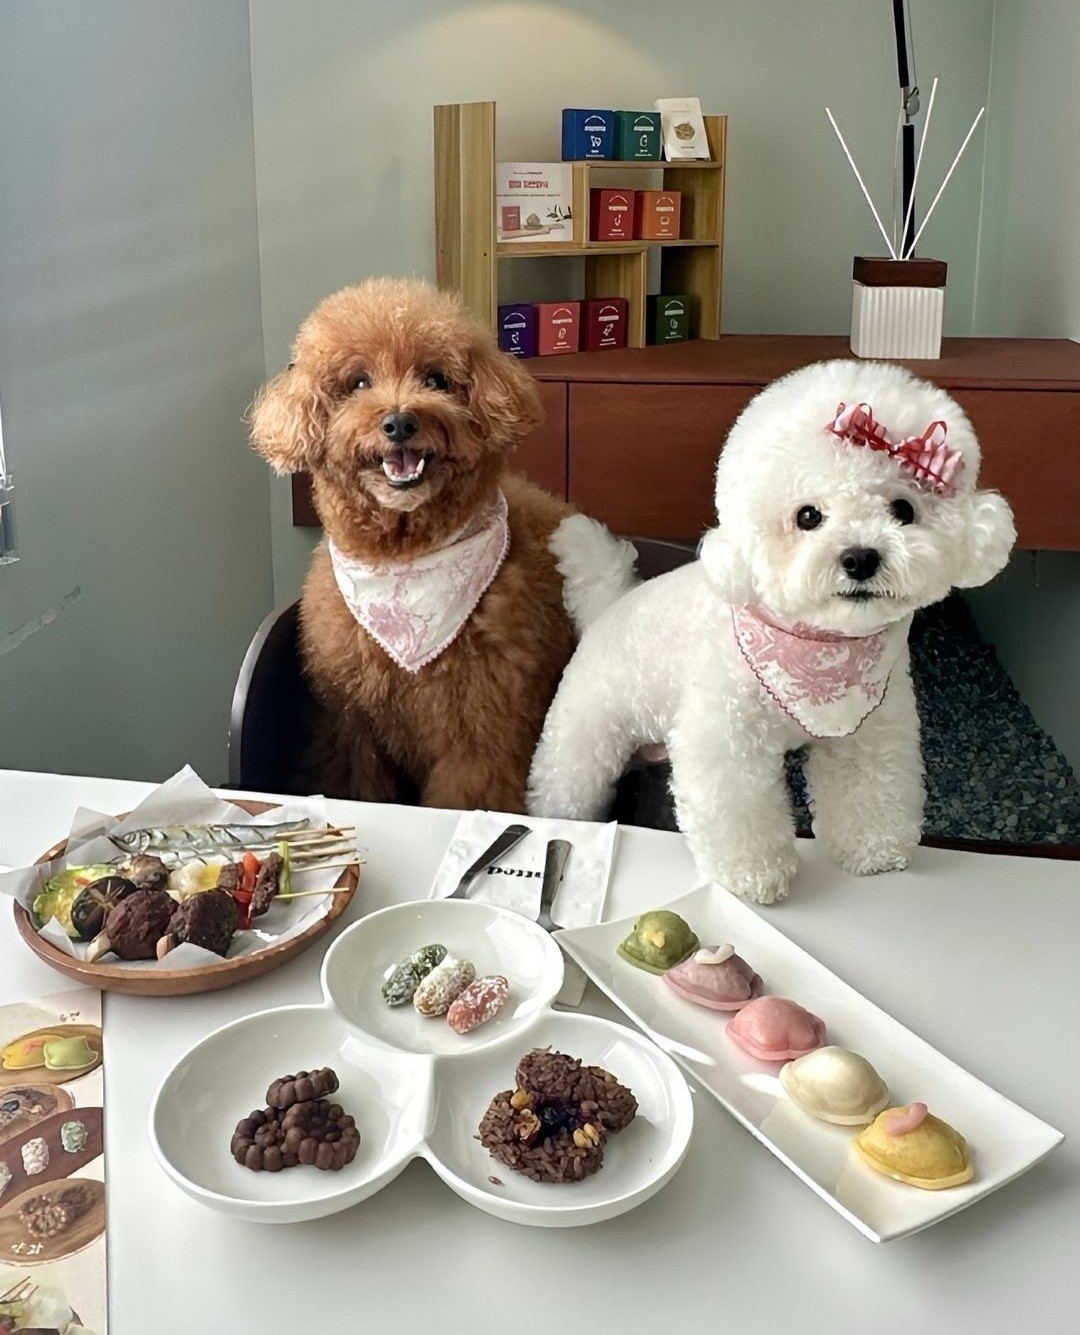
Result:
[{"x": 846, "y": 500}]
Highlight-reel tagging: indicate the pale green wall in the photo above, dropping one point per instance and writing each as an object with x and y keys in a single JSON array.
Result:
[
  {"x": 1029, "y": 284},
  {"x": 343, "y": 94},
  {"x": 130, "y": 343}
]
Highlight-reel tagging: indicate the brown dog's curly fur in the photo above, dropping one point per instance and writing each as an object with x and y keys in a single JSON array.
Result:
[{"x": 461, "y": 731}]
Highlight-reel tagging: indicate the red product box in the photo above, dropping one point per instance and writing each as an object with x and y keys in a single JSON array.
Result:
[
  {"x": 611, "y": 215},
  {"x": 604, "y": 323},
  {"x": 558, "y": 327},
  {"x": 657, "y": 214}
]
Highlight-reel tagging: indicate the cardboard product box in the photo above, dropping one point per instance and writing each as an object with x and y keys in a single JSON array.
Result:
[
  {"x": 533, "y": 202},
  {"x": 558, "y": 327},
  {"x": 517, "y": 330},
  {"x": 667, "y": 319},
  {"x": 657, "y": 214},
  {"x": 587, "y": 134},
  {"x": 604, "y": 323},
  {"x": 637, "y": 136},
  {"x": 611, "y": 215}
]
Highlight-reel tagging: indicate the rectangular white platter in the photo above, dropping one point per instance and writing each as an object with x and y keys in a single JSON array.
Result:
[{"x": 1003, "y": 1139}]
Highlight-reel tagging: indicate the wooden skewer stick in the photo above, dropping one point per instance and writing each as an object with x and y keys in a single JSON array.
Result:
[{"x": 302, "y": 894}]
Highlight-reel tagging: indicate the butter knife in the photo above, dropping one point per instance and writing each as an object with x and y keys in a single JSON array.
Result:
[
  {"x": 558, "y": 850},
  {"x": 513, "y": 834}
]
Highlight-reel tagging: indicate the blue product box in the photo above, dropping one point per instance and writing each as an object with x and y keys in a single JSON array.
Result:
[
  {"x": 587, "y": 134},
  {"x": 517, "y": 330}
]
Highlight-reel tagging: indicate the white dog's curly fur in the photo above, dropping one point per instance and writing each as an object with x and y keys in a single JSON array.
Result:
[{"x": 662, "y": 664}]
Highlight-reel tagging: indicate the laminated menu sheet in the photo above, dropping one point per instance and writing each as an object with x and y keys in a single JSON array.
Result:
[{"x": 52, "y": 1165}]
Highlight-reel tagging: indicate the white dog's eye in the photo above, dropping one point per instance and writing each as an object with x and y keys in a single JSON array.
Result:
[
  {"x": 808, "y": 517},
  {"x": 903, "y": 511},
  {"x": 362, "y": 381},
  {"x": 436, "y": 380}
]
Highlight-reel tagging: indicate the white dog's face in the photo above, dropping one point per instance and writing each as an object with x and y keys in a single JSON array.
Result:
[
  {"x": 842, "y": 542},
  {"x": 832, "y": 534}
]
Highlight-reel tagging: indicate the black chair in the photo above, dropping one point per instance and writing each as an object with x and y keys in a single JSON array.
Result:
[{"x": 273, "y": 708}]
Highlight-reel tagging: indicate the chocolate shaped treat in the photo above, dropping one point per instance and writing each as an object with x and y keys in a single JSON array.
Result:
[
  {"x": 208, "y": 920},
  {"x": 266, "y": 884},
  {"x": 302, "y": 1087},
  {"x": 315, "y": 1132}
]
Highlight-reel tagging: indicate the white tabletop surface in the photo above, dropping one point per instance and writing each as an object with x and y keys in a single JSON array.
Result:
[{"x": 976, "y": 954}]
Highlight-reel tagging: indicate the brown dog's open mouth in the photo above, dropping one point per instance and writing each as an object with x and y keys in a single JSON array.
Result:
[{"x": 404, "y": 468}]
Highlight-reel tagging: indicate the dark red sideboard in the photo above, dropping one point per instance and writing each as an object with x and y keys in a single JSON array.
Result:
[{"x": 631, "y": 437}]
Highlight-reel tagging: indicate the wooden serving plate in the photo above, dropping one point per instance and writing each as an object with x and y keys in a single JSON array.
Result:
[{"x": 165, "y": 982}]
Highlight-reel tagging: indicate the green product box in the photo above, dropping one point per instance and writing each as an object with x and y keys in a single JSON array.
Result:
[
  {"x": 668, "y": 319},
  {"x": 637, "y": 136}
]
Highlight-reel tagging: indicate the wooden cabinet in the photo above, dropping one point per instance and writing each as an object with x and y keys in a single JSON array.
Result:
[
  {"x": 632, "y": 436},
  {"x": 642, "y": 458}
]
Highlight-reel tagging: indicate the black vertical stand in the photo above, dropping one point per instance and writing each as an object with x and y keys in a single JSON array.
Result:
[{"x": 907, "y": 134}]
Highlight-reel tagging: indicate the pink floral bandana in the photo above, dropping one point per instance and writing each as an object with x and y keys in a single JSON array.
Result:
[
  {"x": 416, "y": 609},
  {"x": 825, "y": 682}
]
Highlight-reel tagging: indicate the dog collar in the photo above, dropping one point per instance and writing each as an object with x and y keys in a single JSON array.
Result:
[
  {"x": 416, "y": 609},
  {"x": 825, "y": 682}
]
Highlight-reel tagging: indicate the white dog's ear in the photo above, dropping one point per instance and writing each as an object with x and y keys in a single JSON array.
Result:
[
  {"x": 725, "y": 566},
  {"x": 992, "y": 534}
]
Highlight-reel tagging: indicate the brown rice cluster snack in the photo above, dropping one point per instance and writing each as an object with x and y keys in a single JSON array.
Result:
[
  {"x": 554, "y": 1125},
  {"x": 298, "y": 1127}
]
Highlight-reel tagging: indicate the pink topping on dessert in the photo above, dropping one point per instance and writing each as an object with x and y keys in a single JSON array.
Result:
[
  {"x": 905, "y": 1119},
  {"x": 715, "y": 977},
  {"x": 774, "y": 1029}
]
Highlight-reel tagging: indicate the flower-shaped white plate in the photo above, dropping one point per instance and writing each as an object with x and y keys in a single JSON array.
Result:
[
  {"x": 495, "y": 940},
  {"x": 1003, "y": 1139},
  {"x": 423, "y": 1095}
]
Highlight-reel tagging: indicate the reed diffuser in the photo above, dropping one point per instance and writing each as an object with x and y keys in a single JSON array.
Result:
[{"x": 898, "y": 302}]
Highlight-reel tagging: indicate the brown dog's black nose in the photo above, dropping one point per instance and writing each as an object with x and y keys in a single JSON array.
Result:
[
  {"x": 400, "y": 427},
  {"x": 860, "y": 562}
]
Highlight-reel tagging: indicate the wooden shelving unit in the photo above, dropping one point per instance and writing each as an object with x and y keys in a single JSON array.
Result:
[{"x": 468, "y": 254}]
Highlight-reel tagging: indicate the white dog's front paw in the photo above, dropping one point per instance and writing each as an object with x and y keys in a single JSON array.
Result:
[
  {"x": 868, "y": 859},
  {"x": 758, "y": 882}
]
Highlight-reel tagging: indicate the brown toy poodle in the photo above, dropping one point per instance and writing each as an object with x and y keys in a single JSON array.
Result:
[{"x": 434, "y": 621}]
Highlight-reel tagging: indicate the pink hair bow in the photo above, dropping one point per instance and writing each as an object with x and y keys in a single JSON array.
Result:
[{"x": 927, "y": 458}]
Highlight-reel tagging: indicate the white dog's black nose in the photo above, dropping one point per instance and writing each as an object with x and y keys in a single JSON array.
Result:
[
  {"x": 860, "y": 562},
  {"x": 400, "y": 427}
]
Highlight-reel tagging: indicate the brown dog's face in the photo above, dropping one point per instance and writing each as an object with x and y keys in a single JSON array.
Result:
[{"x": 395, "y": 397}]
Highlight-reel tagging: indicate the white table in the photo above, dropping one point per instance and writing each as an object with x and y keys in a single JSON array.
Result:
[{"x": 977, "y": 954}]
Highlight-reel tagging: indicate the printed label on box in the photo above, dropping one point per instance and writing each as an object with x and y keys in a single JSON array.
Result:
[{"x": 533, "y": 201}]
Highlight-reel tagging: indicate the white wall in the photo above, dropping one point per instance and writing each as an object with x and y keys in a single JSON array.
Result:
[
  {"x": 1029, "y": 285},
  {"x": 343, "y": 92},
  {"x": 130, "y": 343}
]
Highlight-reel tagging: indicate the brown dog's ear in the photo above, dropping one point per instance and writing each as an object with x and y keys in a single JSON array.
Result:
[
  {"x": 288, "y": 421},
  {"x": 503, "y": 398}
]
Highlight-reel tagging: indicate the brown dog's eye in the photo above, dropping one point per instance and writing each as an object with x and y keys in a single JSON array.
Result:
[
  {"x": 436, "y": 380},
  {"x": 362, "y": 381},
  {"x": 903, "y": 511},
  {"x": 808, "y": 517}
]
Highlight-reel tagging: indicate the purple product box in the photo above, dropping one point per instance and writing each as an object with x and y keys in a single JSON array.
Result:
[{"x": 517, "y": 330}]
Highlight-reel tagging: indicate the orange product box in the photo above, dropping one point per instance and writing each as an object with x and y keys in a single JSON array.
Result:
[
  {"x": 657, "y": 214},
  {"x": 558, "y": 327},
  {"x": 611, "y": 215}
]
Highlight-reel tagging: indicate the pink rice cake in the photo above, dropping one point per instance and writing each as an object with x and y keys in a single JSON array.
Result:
[
  {"x": 774, "y": 1029},
  {"x": 715, "y": 977}
]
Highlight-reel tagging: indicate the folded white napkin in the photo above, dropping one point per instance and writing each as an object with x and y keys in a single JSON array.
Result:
[{"x": 514, "y": 881}]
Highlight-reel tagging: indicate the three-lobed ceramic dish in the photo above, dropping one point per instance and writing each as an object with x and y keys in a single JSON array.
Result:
[
  {"x": 415, "y": 1087},
  {"x": 1003, "y": 1138}
]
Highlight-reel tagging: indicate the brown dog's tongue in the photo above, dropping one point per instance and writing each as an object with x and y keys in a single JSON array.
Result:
[{"x": 410, "y": 460}]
